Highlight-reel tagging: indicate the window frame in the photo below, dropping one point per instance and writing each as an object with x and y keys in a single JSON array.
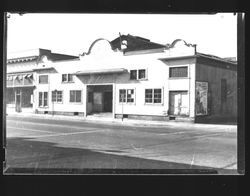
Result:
[
  {"x": 56, "y": 101},
  {"x": 126, "y": 96},
  {"x": 43, "y": 106},
  {"x": 138, "y": 74},
  {"x": 177, "y": 77},
  {"x": 153, "y": 96},
  {"x": 43, "y": 75},
  {"x": 135, "y": 76},
  {"x": 75, "y": 102},
  {"x": 67, "y": 78},
  {"x": 146, "y": 77}
]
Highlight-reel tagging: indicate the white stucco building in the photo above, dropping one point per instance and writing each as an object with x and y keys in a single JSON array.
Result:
[{"x": 132, "y": 77}]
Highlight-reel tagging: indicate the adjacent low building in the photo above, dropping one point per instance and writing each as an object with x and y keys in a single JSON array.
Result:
[{"x": 132, "y": 77}]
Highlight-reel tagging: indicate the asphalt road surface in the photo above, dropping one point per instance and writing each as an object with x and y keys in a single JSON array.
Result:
[{"x": 35, "y": 143}]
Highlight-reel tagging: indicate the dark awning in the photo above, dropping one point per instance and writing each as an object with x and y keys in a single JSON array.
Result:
[{"x": 101, "y": 71}]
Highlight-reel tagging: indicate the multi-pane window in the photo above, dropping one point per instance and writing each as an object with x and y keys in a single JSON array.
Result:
[
  {"x": 75, "y": 96},
  {"x": 130, "y": 95},
  {"x": 67, "y": 77},
  {"x": 175, "y": 72},
  {"x": 142, "y": 74},
  {"x": 153, "y": 95},
  {"x": 43, "y": 79},
  {"x": 57, "y": 96},
  {"x": 133, "y": 75},
  {"x": 43, "y": 99},
  {"x": 126, "y": 95}
]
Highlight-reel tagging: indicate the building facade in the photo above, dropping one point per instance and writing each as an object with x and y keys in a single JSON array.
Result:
[
  {"x": 132, "y": 77},
  {"x": 21, "y": 76}
]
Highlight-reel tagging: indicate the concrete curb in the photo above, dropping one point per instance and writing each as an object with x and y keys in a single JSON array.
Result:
[{"x": 125, "y": 122}]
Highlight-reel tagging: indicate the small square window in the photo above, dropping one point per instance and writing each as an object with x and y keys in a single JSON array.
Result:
[
  {"x": 64, "y": 77},
  {"x": 70, "y": 78},
  {"x": 43, "y": 79},
  {"x": 142, "y": 74},
  {"x": 133, "y": 74}
]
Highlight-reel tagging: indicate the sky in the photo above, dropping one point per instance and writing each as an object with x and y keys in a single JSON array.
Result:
[{"x": 73, "y": 33}]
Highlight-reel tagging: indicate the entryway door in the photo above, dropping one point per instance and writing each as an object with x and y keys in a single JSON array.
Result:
[{"x": 178, "y": 103}]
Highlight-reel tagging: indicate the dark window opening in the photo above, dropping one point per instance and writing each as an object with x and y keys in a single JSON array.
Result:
[
  {"x": 75, "y": 96},
  {"x": 142, "y": 73},
  {"x": 67, "y": 77},
  {"x": 57, "y": 96},
  {"x": 43, "y": 79},
  {"x": 133, "y": 74},
  {"x": 153, "y": 95},
  {"x": 126, "y": 96}
]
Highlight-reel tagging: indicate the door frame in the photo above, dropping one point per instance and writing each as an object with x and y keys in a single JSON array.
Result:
[
  {"x": 103, "y": 84},
  {"x": 169, "y": 104}
]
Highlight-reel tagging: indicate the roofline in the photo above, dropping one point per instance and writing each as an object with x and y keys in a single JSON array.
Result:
[
  {"x": 147, "y": 51},
  {"x": 197, "y": 55},
  {"x": 43, "y": 68},
  {"x": 25, "y": 71},
  {"x": 75, "y": 59}
]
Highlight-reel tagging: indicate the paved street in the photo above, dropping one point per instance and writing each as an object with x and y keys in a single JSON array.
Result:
[{"x": 50, "y": 143}]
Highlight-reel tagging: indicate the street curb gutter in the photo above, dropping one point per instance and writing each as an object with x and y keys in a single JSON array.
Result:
[{"x": 125, "y": 122}]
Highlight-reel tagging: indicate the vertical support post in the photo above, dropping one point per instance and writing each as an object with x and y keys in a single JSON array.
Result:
[
  {"x": 85, "y": 102},
  {"x": 122, "y": 106},
  {"x": 114, "y": 100}
]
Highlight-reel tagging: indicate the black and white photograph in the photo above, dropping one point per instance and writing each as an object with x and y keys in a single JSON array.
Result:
[{"x": 93, "y": 93}]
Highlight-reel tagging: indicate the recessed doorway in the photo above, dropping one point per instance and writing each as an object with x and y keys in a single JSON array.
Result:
[{"x": 99, "y": 99}]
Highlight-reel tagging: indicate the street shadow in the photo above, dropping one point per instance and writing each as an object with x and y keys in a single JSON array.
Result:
[
  {"x": 27, "y": 156},
  {"x": 216, "y": 120}
]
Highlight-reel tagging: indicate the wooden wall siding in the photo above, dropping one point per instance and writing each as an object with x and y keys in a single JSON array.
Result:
[
  {"x": 216, "y": 63},
  {"x": 213, "y": 76}
]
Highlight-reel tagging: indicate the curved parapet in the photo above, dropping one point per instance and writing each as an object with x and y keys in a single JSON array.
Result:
[
  {"x": 94, "y": 43},
  {"x": 180, "y": 40}
]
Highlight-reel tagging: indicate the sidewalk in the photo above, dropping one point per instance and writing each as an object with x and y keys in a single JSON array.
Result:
[{"x": 125, "y": 121}]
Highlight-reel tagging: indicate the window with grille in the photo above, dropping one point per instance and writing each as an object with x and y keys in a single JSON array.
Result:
[
  {"x": 43, "y": 99},
  {"x": 177, "y": 72},
  {"x": 126, "y": 96},
  {"x": 153, "y": 95},
  {"x": 43, "y": 79},
  {"x": 57, "y": 96},
  {"x": 75, "y": 96},
  {"x": 67, "y": 77}
]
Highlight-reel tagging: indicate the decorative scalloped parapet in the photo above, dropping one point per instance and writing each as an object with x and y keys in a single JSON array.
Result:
[{"x": 180, "y": 47}]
